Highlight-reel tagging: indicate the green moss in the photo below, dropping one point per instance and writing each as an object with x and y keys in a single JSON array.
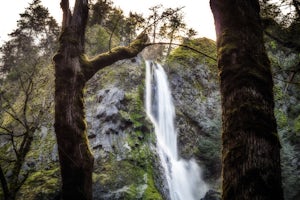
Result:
[
  {"x": 151, "y": 192},
  {"x": 40, "y": 184},
  {"x": 297, "y": 125},
  {"x": 281, "y": 118},
  {"x": 227, "y": 48},
  {"x": 278, "y": 93},
  {"x": 132, "y": 192},
  {"x": 133, "y": 179},
  {"x": 97, "y": 40},
  {"x": 85, "y": 62},
  {"x": 146, "y": 191},
  {"x": 135, "y": 112}
]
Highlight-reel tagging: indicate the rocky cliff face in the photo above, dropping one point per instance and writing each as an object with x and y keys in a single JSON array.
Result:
[
  {"x": 194, "y": 84},
  {"x": 123, "y": 139},
  {"x": 120, "y": 134}
]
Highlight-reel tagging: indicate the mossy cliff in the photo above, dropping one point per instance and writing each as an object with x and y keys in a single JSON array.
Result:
[{"x": 121, "y": 137}]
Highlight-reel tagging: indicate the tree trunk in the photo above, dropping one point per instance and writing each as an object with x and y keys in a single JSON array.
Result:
[
  {"x": 76, "y": 160},
  {"x": 15, "y": 182},
  {"x": 251, "y": 148},
  {"x": 4, "y": 184},
  {"x": 72, "y": 71}
]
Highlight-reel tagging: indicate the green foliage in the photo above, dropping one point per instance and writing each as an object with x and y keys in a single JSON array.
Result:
[
  {"x": 284, "y": 12},
  {"x": 99, "y": 12},
  {"x": 112, "y": 19},
  {"x": 34, "y": 38},
  {"x": 97, "y": 40},
  {"x": 186, "y": 56}
]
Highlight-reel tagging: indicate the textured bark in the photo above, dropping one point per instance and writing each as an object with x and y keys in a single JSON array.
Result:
[
  {"x": 251, "y": 148},
  {"x": 72, "y": 71}
]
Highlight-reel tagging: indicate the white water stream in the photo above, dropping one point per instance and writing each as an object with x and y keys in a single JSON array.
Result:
[{"x": 183, "y": 176}]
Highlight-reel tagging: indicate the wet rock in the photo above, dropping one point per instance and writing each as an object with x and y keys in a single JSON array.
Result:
[{"x": 212, "y": 195}]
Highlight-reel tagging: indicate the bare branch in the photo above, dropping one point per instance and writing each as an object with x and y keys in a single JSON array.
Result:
[
  {"x": 15, "y": 117},
  {"x": 185, "y": 46},
  {"x": 13, "y": 112},
  {"x": 14, "y": 146},
  {"x": 289, "y": 44},
  {"x": 4, "y": 184},
  {"x": 164, "y": 15},
  {"x": 290, "y": 82},
  {"x": 8, "y": 132},
  {"x": 111, "y": 34},
  {"x": 21, "y": 182},
  {"x": 67, "y": 16},
  {"x": 297, "y": 6},
  {"x": 7, "y": 159}
]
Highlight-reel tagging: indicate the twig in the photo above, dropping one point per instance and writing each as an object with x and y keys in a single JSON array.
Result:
[
  {"x": 296, "y": 83},
  {"x": 112, "y": 32}
]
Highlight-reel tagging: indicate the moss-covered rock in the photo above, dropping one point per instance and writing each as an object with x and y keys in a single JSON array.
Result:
[
  {"x": 121, "y": 136},
  {"x": 41, "y": 185}
]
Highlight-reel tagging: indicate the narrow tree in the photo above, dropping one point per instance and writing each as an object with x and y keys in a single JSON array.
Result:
[
  {"x": 72, "y": 71},
  {"x": 21, "y": 115},
  {"x": 174, "y": 25},
  {"x": 251, "y": 148}
]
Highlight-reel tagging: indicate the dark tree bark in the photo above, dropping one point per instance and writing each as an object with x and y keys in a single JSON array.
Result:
[
  {"x": 251, "y": 148},
  {"x": 72, "y": 71},
  {"x": 4, "y": 184}
]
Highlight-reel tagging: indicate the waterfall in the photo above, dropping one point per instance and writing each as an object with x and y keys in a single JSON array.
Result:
[{"x": 183, "y": 176}]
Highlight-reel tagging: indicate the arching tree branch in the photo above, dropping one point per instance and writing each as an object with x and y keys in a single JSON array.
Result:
[{"x": 90, "y": 67}]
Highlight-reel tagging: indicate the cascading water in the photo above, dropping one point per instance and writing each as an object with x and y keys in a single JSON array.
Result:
[{"x": 183, "y": 176}]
